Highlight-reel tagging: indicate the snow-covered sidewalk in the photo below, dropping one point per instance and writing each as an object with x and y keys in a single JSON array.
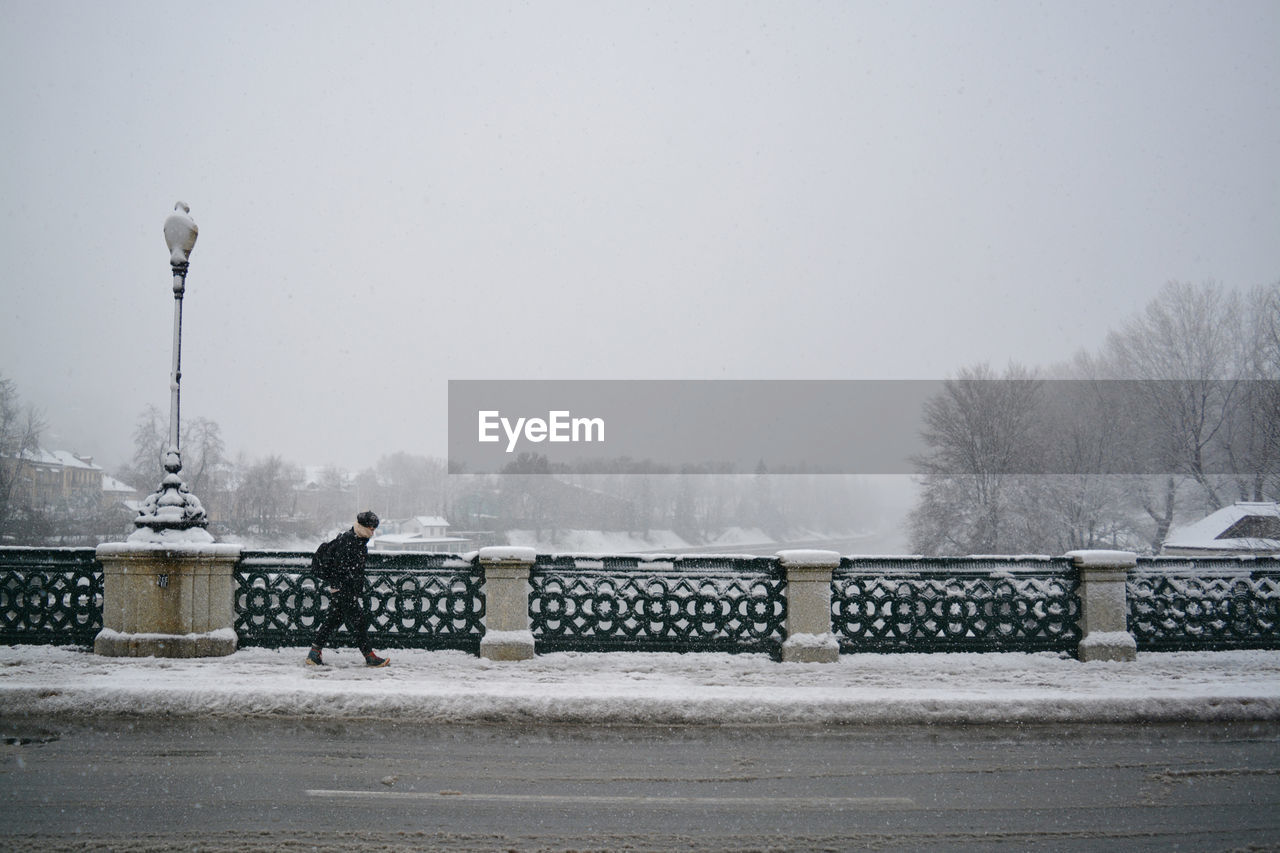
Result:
[{"x": 649, "y": 689}]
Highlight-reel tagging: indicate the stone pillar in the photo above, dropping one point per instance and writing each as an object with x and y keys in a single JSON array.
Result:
[
  {"x": 167, "y": 600},
  {"x": 809, "y": 637},
  {"x": 506, "y": 603},
  {"x": 1103, "y": 606}
]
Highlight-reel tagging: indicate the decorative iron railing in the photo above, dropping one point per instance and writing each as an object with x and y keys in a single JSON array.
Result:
[
  {"x": 50, "y": 595},
  {"x": 922, "y": 604},
  {"x": 696, "y": 603},
  {"x": 54, "y": 595},
  {"x": 1205, "y": 603},
  {"x": 414, "y": 600}
]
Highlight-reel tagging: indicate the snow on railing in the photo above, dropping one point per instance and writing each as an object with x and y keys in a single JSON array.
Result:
[
  {"x": 1204, "y": 603},
  {"x": 975, "y": 603},
  {"x": 702, "y": 602},
  {"x": 50, "y": 595},
  {"x": 695, "y": 602},
  {"x": 415, "y": 600}
]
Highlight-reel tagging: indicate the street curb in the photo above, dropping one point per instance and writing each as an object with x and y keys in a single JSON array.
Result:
[{"x": 477, "y": 707}]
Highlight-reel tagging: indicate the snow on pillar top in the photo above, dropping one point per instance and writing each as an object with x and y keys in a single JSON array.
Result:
[
  {"x": 814, "y": 559},
  {"x": 1097, "y": 559},
  {"x": 508, "y": 554}
]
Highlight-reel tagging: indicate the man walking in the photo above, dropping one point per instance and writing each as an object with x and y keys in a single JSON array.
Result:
[{"x": 340, "y": 563}]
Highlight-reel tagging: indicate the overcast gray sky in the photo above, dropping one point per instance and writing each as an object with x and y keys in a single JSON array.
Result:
[{"x": 392, "y": 195}]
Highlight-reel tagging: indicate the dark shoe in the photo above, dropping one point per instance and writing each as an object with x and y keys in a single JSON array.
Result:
[
  {"x": 314, "y": 659},
  {"x": 372, "y": 659}
]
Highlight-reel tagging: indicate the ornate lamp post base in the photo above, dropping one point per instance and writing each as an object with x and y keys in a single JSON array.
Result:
[{"x": 171, "y": 513}]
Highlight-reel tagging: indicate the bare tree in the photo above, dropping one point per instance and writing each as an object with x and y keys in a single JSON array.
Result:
[
  {"x": 1090, "y": 441},
  {"x": 205, "y": 468},
  {"x": 20, "y": 428},
  {"x": 1252, "y": 441},
  {"x": 411, "y": 484},
  {"x": 265, "y": 497},
  {"x": 150, "y": 440},
  {"x": 981, "y": 432},
  {"x": 1188, "y": 345},
  {"x": 203, "y": 456},
  {"x": 1202, "y": 413},
  {"x": 337, "y": 502}
]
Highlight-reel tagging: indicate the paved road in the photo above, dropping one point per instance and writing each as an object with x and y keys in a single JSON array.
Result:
[{"x": 289, "y": 785}]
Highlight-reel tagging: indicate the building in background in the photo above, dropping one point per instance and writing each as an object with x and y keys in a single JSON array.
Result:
[
  {"x": 118, "y": 494},
  {"x": 420, "y": 533},
  {"x": 44, "y": 478},
  {"x": 1240, "y": 530}
]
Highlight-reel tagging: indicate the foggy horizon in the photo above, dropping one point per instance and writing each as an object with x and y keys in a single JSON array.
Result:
[{"x": 403, "y": 194}]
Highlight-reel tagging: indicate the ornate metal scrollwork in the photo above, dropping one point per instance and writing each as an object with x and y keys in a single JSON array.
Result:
[
  {"x": 51, "y": 596},
  {"x": 695, "y": 603},
  {"x": 676, "y": 604},
  {"x": 413, "y": 601},
  {"x": 1205, "y": 604},
  {"x": 969, "y": 604}
]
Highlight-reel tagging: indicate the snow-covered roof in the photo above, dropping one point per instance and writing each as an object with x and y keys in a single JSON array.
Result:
[
  {"x": 70, "y": 460},
  {"x": 1247, "y": 526},
  {"x": 64, "y": 458},
  {"x": 431, "y": 521},
  {"x": 111, "y": 484}
]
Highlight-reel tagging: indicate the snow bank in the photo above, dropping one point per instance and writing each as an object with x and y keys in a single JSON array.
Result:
[
  {"x": 743, "y": 536},
  {"x": 814, "y": 641},
  {"x": 509, "y": 637},
  {"x": 649, "y": 688}
]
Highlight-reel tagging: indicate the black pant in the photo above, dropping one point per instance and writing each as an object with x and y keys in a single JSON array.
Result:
[{"x": 345, "y": 606}]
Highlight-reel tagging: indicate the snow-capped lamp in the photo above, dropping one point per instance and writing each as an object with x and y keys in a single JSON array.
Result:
[
  {"x": 172, "y": 513},
  {"x": 180, "y": 234}
]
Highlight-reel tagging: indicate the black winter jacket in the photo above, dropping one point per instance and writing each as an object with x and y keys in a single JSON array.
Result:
[{"x": 344, "y": 559}]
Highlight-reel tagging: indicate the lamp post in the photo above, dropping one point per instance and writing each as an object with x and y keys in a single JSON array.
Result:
[{"x": 172, "y": 507}]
